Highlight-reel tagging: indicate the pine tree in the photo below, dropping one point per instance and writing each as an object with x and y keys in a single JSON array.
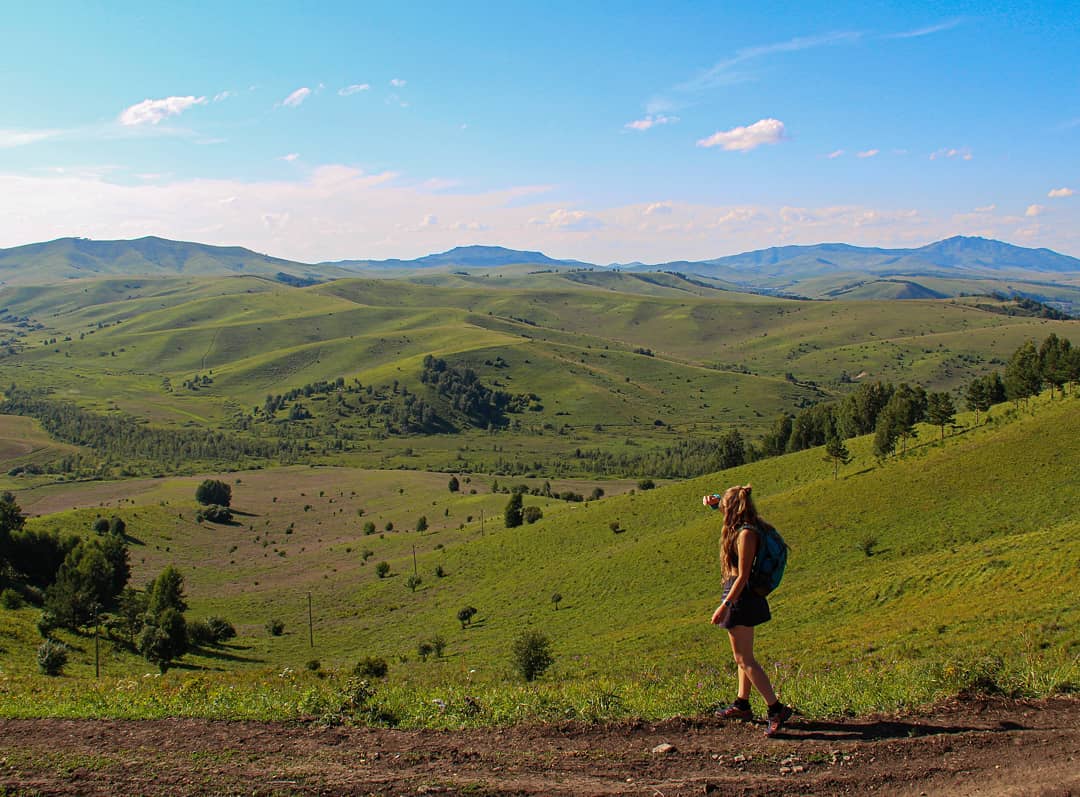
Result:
[
  {"x": 836, "y": 453},
  {"x": 513, "y": 515},
  {"x": 940, "y": 410}
]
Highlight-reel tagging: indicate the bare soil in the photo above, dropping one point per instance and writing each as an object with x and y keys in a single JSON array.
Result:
[{"x": 968, "y": 746}]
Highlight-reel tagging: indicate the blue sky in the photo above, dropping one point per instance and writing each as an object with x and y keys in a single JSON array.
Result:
[{"x": 645, "y": 132}]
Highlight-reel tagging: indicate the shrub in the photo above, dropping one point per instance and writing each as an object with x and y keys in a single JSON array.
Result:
[
  {"x": 101, "y": 525},
  {"x": 212, "y": 491},
  {"x": 422, "y": 524},
  {"x": 531, "y": 514},
  {"x": 314, "y": 665},
  {"x": 47, "y": 623},
  {"x": 199, "y": 634},
  {"x": 220, "y": 629},
  {"x": 646, "y": 484},
  {"x": 439, "y": 571},
  {"x": 465, "y": 615},
  {"x": 868, "y": 545},
  {"x": 371, "y": 667},
  {"x": 117, "y": 526},
  {"x": 556, "y": 599},
  {"x": 216, "y": 514},
  {"x": 52, "y": 656},
  {"x": 382, "y": 569},
  {"x": 413, "y": 581},
  {"x": 10, "y": 599},
  {"x": 512, "y": 515},
  {"x": 453, "y": 485},
  {"x": 438, "y": 644},
  {"x": 275, "y": 627},
  {"x": 369, "y": 527},
  {"x": 423, "y": 650},
  {"x": 531, "y": 654}
]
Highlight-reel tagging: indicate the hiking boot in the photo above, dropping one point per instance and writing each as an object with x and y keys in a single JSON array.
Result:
[
  {"x": 776, "y": 719},
  {"x": 734, "y": 712}
]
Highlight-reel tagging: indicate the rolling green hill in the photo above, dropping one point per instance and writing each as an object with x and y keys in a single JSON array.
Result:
[{"x": 951, "y": 567}]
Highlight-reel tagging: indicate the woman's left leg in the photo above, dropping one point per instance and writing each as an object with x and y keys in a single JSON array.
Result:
[{"x": 742, "y": 646}]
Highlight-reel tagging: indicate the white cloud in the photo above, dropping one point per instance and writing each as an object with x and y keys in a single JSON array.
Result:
[
  {"x": 354, "y": 88},
  {"x": 659, "y": 209},
  {"x": 153, "y": 111},
  {"x": 836, "y": 153},
  {"x": 1060, "y": 193},
  {"x": 1034, "y": 210},
  {"x": 430, "y": 220},
  {"x": 19, "y": 138},
  {"x": 337, "y": 212},
  {"x": 292, "y": 156},
  {"x": 986, "y": 209},
  {"x": 949, "y": 153},
  {"x": 221, "y": 96},
  {"x": 867, "y": 153},
  {"x": 297, "y": 97},
  {"x": 744, "y": 139},
  {"x": 651, "y": 121},
  {"x": 398, "y": 83},
  {"x": 569, "y": 221}
]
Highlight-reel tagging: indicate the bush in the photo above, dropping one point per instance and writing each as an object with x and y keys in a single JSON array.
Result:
[
  {"x": 465, "y": 615},
  {"x": 52, "y": 656},
  {"x": 422, "y": 524},
  {"x": 531, "y": 514},
  {"x": 314, "y": 665},
  {"x": 47, "y": 623},
  {"x": 215, "y": 514},
  {"x": 199, "y": 634},
  {"x": 531, "y": 654},
  {"x": 212, "y": 491},
  {"x": 382, "y": 569},
  {"x": 413, "y": 581},
  {"x": 101, "y": 525},
  {"x": 10, "y": 599},
  {"x": 275, "y": 627},
  {"x": 438, "y": 644},
  {"x": 868, "y": 545},
  {"x": 646, "y": 484},
  {"x": 220, "y": 629},
  {"x": 371, "y": 667},
  {"x": 369, "y": 527},
  {"x": 423, "y": 650}
]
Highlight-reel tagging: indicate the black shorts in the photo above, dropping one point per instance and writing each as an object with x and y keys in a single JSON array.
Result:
[{"x": 750, "y": 609}]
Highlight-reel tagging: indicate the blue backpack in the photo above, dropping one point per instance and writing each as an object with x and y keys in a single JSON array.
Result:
[{"x": 769, "y": 561}]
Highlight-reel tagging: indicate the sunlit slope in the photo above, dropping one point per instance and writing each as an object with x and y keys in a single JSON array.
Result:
[
  {"x": 594, "y": 355},
  {"x": 974, "y": 544}
]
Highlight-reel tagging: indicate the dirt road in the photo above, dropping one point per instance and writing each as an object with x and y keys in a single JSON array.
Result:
[{"x": 963, "y": 747}]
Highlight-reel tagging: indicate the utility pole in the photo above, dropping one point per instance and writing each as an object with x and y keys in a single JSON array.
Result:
[
  {"x": 414, "y": 561},
  {"x": 481, "y": 522},
  {"x": 310, "y": 623},
  {"x": 97, "y": 636}
]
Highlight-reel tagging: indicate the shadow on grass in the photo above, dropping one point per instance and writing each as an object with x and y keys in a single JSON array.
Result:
[
  {"x": 880, "y": 730},
  {"x": 225, "y": 654}
]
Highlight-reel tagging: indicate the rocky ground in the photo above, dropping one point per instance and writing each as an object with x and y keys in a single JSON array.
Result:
[{"x": 961, "y": 747}]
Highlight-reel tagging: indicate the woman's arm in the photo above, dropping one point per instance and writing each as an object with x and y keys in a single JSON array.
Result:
[{"x": 747, "y": 547}]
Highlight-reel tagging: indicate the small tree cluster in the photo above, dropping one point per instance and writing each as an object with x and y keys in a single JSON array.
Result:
[
  {"x": 465, "y": 615},
  {"x": 214, "y": 492},
  {"x": 531, "y": 654}
]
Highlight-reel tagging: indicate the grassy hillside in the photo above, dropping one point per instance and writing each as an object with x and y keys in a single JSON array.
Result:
[{"x": 950, "y": 567}]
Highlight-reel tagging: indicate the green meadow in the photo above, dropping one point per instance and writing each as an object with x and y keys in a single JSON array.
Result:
[{"x": 949, "y": 568}]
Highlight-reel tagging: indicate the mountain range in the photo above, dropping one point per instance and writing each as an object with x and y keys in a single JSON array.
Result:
[{"x": 830, "y": 270}]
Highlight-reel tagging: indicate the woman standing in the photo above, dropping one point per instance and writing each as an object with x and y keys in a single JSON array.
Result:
[{"x": 741, "y": 608}]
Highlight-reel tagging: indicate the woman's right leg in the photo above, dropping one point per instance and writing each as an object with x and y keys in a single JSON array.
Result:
[{"x": 750, "y": 672}]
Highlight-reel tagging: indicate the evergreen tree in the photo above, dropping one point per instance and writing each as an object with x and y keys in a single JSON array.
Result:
[
  {"x": 513, "y": 515},
  {"x": 213, "y": 492},
  {"x": 166, "y": 592},
  {"x": 776, "y": 439},
  {"x": 940, "y": 410},
  {"x": 977, "y": 397},
  {"x": 1022, "y": 377},
  {"x": 836, "y": 453}
]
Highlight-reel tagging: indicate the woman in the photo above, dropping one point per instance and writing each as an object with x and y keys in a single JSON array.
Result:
[{"x": 741, "y": 608}]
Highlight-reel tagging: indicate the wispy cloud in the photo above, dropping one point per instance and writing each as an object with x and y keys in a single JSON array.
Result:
[
  {"x": 292, "y": 156},
  {"x": 744, "y": 139},
  {"x": 867, "y": 153},
  {"x": 836, "y": 153},
  {"x": 651, "y": 121},
  {"x": 568, "y": 221},
  {"x": 221, "y": 96},
  {"x": 721, "y": 73},
  {"x": 1060, "y": 193},
  {"x": 927, "y": 30},
  {"x": 1034, "y": 210},
  {"x": 19, "y": 138},
  {"x": 353, "y": 89},
  {"x": 659, "y": 209},
  {"x": 398, "y": 83},
  {"x": 297, "y": 97},
  {"x": 947, "y": 153},
  {"x": 154, "y": 111}
]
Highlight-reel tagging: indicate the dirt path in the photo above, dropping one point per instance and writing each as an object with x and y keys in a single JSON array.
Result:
[{"x": 971, "y": 747}]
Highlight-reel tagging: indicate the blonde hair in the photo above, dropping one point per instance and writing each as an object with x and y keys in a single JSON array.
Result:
[{"x": 739, "y": 511}]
